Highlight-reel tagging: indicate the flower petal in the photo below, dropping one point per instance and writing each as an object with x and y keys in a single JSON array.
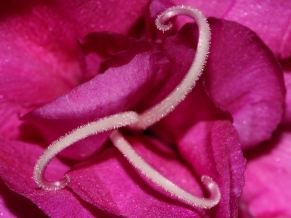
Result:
[
  {"x": 269, "y": 19},
  {"x": 17, "y": 160},
  {"x": 209, "y": 143},
  {"x": 38, "y": 51},
  {"x": 243, "y": 76},
  {"x": 286, "y": 65},
  {"x": 116, "y": 90},
  {"x": 256, "y": 110},
  {"x": 110, "y": 183},
  {"x": 237, "y": 56},
  {"x": 13, "y": 205},
  {"x": 268, "y": 177}
]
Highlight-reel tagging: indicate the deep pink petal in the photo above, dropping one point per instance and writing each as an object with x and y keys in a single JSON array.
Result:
[
  {"x": 268, "y": 175},
  {"x": 16, "y": 166},
  {"x": 209, "y": 143},
  {"x": 269, "y": 19},
  {"x": 66, "y": 21},
  {"x": 287, "y": 112},
  {"x": 13, "y": 205},
  {"x": 116, "y": 90},
  {"x": 111, "y": 183},
  {"x": 286, "y": 65},
  {"x": 99, "y": 46},
  {"x": 31, "y": 75},
  {"x": 237, "y": 56},
  {"x": 243, "y": 76},
  {"x": 38, "y": 51}
]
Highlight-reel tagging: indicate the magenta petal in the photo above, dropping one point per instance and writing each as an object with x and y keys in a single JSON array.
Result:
[
  {"x": 16, "y": 166},
  {"x": 243, "y": 76},
  {"x": 110, "y": 183},
  {"x": 287, "y": 112},
  {"x": 268, "y": 175},
  {"x": 269, "y": 19},
  {"x": 31, "y": 76},
  {"x": 116, "y": 90},
  {"x": 65, "y": 21},
  {"x": 102, "y": 50},
  {"x": 13, "y": 205},
  {"x": 209, "y": 143},
  {"x": 38, "y": 57}
]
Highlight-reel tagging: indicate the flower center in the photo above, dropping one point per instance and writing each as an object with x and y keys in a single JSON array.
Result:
[{"x": 143, "y": 121}]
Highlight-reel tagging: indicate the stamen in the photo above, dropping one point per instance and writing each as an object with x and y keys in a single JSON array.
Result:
[
  {"x": 156, "y": 113},
  {"x": 108, "y": 123},
  {"x": 143, "y": 121},
  {"x": 124, "y": 147}
]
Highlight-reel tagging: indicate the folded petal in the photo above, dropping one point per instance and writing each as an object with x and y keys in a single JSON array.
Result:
[
  {"x": 269, "y": 19},
  {"x": 116, "y": 90},
  {"x": 237, "y": 56},
  {"x": 243, "y": 76},
  {"x": 268, "y": 175}
]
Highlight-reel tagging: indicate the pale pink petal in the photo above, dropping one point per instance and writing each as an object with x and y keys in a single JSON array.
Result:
[
  {"x": 271, "y": 20},
  {"x": 268, "y": 175}
]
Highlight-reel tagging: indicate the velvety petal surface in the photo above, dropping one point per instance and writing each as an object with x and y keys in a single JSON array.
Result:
[
  {"x": 266, "y": 192},
  {"x": 209, "y": 143},
  {"x": 56, "y": 24},
  {"x": 243, "y": 76},
  {"x": 111, "y": 183},
  {"x": 116, "y": 90},
  {"x": 237, "y": 56},
  {"x": 271, "y": 20},
  {"x": 17, "y": 160},
  {"x": 13, "y": 205},
  {"x": 39, "y": 50}
]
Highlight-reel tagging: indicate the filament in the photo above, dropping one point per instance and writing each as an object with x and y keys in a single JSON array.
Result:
[
  {"x": 143, "y": 121},
  {"x": 162, "y": 109},
  {"x": 124, "y": 147},
  {"x": 108, "y": 123}
]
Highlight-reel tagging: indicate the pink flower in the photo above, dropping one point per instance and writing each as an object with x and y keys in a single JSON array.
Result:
[
  {"x": 59, "y": 71},
  {"x": 267, "y": 176}
]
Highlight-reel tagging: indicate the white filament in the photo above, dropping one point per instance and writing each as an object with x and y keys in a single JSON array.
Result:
[
  {"x": 143, "y": 121},
  {"x": 156, "y": 113},
  {"x": 108, "y": 123},
  {"x": 139, "y": 163}
]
